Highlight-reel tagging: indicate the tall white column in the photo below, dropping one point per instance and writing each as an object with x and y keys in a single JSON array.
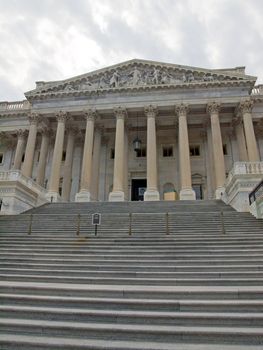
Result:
[
  {"x": 218, "y": 155},
  {"x": 20, "y": 148},
  {"x": 117, "y": 193},
  {"x": 86, "y": 173},
  {"x": 43, "y": 157},
  {"x": 241, "y": 141},
  {"x": 151, "y": 194},
  {"x": 67, "y": 178},
  {"x": 53, "y": 189},
  {"x": 27, "y": 166},
  {"x": 186, "y": 192},
  {"x": 126, "y": 163},
  {"x": 252, "y": 148},
  {"x": 96, "y": 163}
]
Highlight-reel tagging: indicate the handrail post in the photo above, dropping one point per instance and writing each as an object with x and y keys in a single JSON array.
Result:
[
  {"x": 222, "y": 222},
  {"x": 30, "y": 224},
  {"x": 78, "y": 225},
  {"x": 167, "y": 223},
  {"x": 130, "y": 224}
]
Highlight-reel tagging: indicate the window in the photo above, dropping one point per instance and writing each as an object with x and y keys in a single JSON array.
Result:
[
  {"x": 1, "y": 158},
  {"x": 195, "y": 151},
  {"x": 63, "y": 156},
  {"x": 141, "y": 152},
  {"x": 167, "y": 151},
  {"x": 112, "y": 153},
  {"x": 225, "y": 149}
]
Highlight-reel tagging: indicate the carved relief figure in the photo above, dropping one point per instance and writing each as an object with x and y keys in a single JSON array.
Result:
[
  {"x": 190, "y": 77},
  {"x": 103, "y": 81},
  {"x": 156, "y": 76},
  {"x": 114, "y": 80},
  {"x": 165, "y": 79},
  {"x": 136, "y": 76}
]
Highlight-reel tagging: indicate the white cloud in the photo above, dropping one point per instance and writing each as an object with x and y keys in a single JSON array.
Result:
[{"x": 50, "y": 40}]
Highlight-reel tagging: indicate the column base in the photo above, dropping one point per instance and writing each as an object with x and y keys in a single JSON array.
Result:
[
  {"x": 187, "y": 194},
  {"x": 83, "y": 196},
  {"x": 117, "y": 196},
  {"x": 219, "y": 193},
  {"x": 53, "y": 197},
  {"x": 151, "y": 195}
]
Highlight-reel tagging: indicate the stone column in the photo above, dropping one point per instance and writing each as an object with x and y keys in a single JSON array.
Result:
[
  {"x": 241, "y": 141},
  {"x": 86, "y": 173},
  {"x": 43, "y": 157},
  {"x": 186, "y": 192},
  {"x": 53, "y": 189},
  {"x": 96, "y": 163},
  {"x": 27, "y": 166},
  {"x": 20, "y": 147},
  {"x": 126, "y": 163},
  {"x": 252, "y": 148},
  {"x": 117, "y": 193},
  {"x": 151, "y": 194},
  {"x": 67, "y": 175},
  {"x": 218, "y": 155}
]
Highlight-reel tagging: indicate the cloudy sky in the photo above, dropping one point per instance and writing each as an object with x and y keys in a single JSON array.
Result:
[{"x": 57, "y": 39}]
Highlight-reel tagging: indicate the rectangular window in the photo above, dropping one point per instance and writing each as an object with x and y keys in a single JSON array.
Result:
[
  {"x": 194, "y": 150},
  {"x": 141, "y": 153},
  {"x": 112, "y": 153},
  {"x": 167, "y": 151},
  {"x": 1, "y": 158},
  {"x": 225, "y": 149}
]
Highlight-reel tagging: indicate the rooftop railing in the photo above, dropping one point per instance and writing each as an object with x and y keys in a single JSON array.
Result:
[
  {"x": 14, "y": 106},
  {"x": 257, "y": 90}
]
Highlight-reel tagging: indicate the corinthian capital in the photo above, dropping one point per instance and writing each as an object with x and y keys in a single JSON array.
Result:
[
  {"x": 181, "y": 109},
  {"x": 90, "y": 114},
  {"x": 21, "y": 133},
  {"x": 120, "y": 112},
  {"x": 62, "y": 116},
  {"x": 213, "y": 107},
  {"x": 246, "y": 106},
  {"x": 151, "y": 111},
  {"x": 34, "y": 118}
]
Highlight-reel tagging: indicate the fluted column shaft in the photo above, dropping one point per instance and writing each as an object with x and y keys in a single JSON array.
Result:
[
  {"x": 67, "y": 178},
  {"x": 241, "y": 142},
  {"x": 152, "y": 188},
  {"x": 219, "y": 161},
  {"x": 86, "y": 171},
  {"x": 186, "y": 191},
  {"x": 20, "y": 147},
  {"x": 57, "y": 156},
  {"x": 27, "y": 166},
  {"x": 117, "y": 193},
  {"x": 96, "y": 163},
  {"x": 252, "y": 148},
  {"x": 43, "y": 158}
]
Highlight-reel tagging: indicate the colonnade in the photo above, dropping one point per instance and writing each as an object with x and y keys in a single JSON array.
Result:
[{"x": 89, "y": 182}]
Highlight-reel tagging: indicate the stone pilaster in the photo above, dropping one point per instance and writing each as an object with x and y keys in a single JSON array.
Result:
[
  {"x": 43, "y": 157},
  {"x": 96, "y": 163},
  {"x": 245, "y": 108},
  {"x": 86, "y": 173},
  {"x": 117, "y": 193},
  {"x": 67, "y": 178},
  {"x": 218, "y": 155},
  {"x": 152, "y": 193},
  {"x": 53, "y": 189},
  {"x": 27, "y": 166},
  {"x": 20, "y": 147},
  {"x": 186, "y": 192}
]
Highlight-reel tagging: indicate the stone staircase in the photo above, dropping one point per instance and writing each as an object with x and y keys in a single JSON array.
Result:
[{"x": 162, "y": 275}]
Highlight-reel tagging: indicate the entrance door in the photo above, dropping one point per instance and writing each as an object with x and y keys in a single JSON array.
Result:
[
  {"x": 138, "y": 189},
  {"x": 198, "y": 191}
]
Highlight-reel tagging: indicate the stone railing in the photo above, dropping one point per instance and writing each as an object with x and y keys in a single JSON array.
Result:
[
  {"x": 245, "y": 168},
  {"x": 257, "y": 90},
  {"x": 15, "y": 175},
  {"x": 14, "y": 106}
]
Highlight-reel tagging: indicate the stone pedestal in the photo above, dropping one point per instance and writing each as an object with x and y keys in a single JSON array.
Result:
[{"x": 187, "y": 194}]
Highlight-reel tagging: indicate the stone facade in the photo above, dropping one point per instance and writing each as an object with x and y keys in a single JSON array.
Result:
[{"x": 74, "y": 138}]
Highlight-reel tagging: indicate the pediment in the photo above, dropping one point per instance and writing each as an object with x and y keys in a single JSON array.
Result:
[{"x": 140, "y": 74}]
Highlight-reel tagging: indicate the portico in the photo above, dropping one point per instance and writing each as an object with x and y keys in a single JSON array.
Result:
[{"x": 75, "y": 139}]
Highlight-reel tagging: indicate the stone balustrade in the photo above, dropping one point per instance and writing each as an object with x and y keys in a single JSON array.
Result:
[
  {"x": 257, "y": 90},
  {"x": 16, "y": 105}
]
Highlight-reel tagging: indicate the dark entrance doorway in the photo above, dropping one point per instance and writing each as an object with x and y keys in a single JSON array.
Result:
[{"x": 138, "y": 189}]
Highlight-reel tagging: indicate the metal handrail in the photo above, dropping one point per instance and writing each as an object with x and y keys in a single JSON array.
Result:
[{"x": 256, "y": 193}]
